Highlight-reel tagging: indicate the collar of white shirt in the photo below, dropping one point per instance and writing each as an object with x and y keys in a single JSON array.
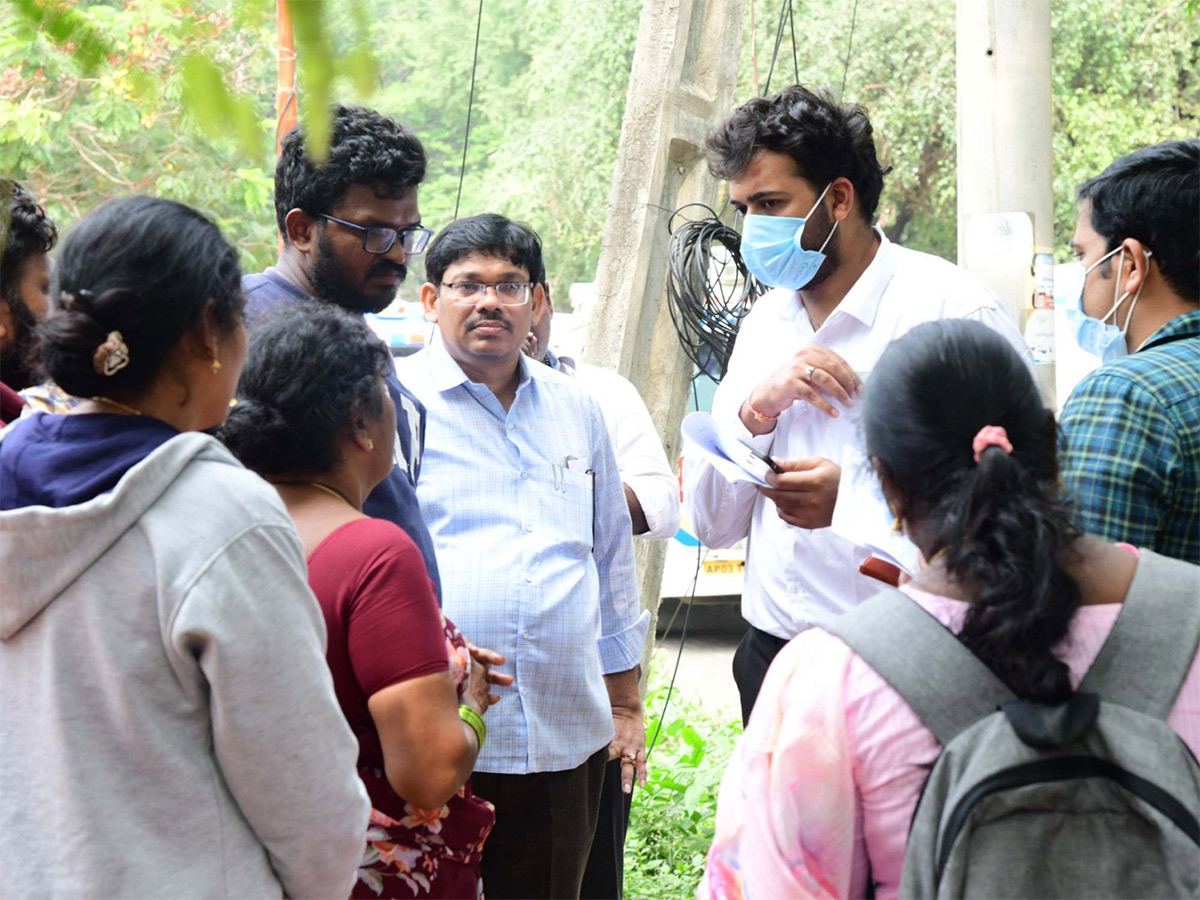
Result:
[{"x": 862, "y": 300}]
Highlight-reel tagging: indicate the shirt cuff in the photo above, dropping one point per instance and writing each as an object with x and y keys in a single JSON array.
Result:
[
  {"x": 660, "y": 505},
  {"x": 760, "y": 442},
  {"x": 621, "y": 651}
]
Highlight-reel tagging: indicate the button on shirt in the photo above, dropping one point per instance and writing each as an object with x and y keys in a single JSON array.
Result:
[
  {"x": 640, "y": 457},
  {"x": 1131, "y": 444},
  {"x": 535, "y": 551},
  {"x": 794, "y": 575}
]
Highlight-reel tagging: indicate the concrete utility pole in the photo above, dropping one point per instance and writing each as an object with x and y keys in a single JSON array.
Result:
[
  {"x": 682, "y": 82},
  {"x": 1005, "y": 189}
]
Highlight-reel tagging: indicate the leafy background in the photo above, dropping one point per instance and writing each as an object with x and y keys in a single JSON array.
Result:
[{"x": 549, "y": 95}]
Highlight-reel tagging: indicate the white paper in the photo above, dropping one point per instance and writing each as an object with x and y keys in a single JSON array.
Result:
[
  {"x": 861, "y": 514},
  {"x": 722, "y": 448}
]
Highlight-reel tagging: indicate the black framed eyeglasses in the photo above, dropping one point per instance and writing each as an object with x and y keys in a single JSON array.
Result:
[
  {"x": 379, "y": 240},
  {"x": 468, "y": 293}
]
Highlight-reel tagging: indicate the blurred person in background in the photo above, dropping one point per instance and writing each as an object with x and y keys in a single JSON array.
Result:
[{"x": 28, "y": 237}]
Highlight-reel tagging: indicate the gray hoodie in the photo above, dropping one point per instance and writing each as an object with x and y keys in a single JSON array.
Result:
[{"x": 168, "y": 725}]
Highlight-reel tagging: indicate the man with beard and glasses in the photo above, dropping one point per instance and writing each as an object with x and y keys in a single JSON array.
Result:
[
  {"x": 803, "y": 172},
  {"x": 349, "y": 225},
  {"x": 29, "y": 237}
]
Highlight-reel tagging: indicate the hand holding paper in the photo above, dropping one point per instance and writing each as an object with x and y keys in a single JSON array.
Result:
[
  {"x": 721, "y": 447},
  {"x": 804, "y": 495}
]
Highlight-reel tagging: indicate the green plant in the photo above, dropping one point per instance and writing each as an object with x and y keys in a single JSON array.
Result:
[{"x": 672, "y": 821}]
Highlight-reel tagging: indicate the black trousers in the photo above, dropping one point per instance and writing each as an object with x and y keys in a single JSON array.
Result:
[
  {"x": 544, "y": 827},
  {"x": 750, "y": 663},
  {"x": 604, "y": 877}
]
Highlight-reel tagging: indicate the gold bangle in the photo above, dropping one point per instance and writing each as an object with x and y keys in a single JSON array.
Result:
[
  {"x": 475, "y": 720},
  {"x": 759, "y": 417}
]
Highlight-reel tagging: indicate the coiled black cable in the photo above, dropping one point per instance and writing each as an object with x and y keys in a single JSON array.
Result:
[{"x": 709, "y": 290}]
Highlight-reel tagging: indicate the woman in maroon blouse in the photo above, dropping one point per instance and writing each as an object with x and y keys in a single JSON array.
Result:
[{"x": 315, "y": 419}]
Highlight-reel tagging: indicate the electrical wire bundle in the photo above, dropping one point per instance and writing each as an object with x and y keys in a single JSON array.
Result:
[{"x": 707, "y": 304}]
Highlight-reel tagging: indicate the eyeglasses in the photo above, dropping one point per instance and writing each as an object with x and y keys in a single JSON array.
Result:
[
  {"x": 380, "y": 240},
  {"x": 509, "y": 293}
]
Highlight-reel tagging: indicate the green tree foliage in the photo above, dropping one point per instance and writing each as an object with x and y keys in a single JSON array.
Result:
[
  {"x": 1124, "y": 75},
  {"x": 93, "y": 96},
  {"x": 79, "y": 133},
  {"x": 546, "y": 119}
]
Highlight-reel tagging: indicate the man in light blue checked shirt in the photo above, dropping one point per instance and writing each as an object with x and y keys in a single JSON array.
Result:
[{"x": 521, "y": 493}]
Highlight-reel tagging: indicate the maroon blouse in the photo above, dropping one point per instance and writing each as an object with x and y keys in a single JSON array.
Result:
[{"x": 385, "y": 627}]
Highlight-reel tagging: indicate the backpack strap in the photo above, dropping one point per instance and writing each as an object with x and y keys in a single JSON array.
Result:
[
  {"x": 1153, "y": 642},
  {"x": 945, "y": 683}
]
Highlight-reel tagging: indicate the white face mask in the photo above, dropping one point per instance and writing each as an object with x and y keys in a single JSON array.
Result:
[
  {"x": 772, "y": 251},
  {"x": 1095, "y": 336}
]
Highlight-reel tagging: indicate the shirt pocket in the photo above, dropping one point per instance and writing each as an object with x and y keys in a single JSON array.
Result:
[{"x": 570, "y": 509}]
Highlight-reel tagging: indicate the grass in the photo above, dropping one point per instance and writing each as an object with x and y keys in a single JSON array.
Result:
[{"x": 672, "y": 821}]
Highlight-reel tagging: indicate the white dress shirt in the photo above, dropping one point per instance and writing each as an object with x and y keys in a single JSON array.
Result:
[
  {"x": 640, "y": 457},
  {"x": 533, "y": 541},
  {"x": 794, "y": 575}
]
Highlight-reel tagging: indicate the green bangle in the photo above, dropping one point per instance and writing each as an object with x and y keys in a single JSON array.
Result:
[{"x": 475, "y": 720}]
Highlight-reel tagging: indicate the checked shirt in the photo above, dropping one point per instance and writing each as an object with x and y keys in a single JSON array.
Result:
[{"x": 1131, "y": 444}]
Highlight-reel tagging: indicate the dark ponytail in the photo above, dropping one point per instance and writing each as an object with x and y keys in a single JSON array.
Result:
[{"x": 1001, "y": 523}]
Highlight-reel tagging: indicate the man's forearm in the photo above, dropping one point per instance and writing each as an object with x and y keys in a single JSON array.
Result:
[
  {"x": 623, "y": 689},
  {"x": 640, "y": 523}
]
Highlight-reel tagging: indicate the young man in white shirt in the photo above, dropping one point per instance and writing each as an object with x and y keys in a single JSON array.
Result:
[{"x": 802, "y": 170}]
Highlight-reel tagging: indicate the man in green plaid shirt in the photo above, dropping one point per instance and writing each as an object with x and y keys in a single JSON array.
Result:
[{"x": 1131, "y": 429}]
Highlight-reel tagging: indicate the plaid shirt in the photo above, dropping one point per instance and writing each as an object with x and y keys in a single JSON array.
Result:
[{"x": 1131, "y": 444}]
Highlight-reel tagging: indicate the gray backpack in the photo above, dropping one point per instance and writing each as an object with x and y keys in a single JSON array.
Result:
[{"x": 1097, "y": 797}]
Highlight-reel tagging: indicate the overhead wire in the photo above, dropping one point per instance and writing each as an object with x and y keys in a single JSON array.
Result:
[
  {"x": 462, "y": 171},
  {"x": 795, "y": 54},
  {"x": 690, "y": 599},
  {"x": 775, "y": 52},
  {"x": 786, "y": 15},
  {"x": 849, "y": 47}
]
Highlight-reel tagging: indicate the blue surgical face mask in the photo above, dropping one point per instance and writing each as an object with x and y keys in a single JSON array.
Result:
[
  {"x": 1095, "y": 336},
  {"x": 772, "y": 252}
]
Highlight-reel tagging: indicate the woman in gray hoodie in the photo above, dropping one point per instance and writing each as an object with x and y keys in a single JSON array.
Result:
[{"x": 169, "y": 724}]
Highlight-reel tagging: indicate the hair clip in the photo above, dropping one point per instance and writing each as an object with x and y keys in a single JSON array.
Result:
[
  {"x": 991, "y": 436},
  {"x": 111, "y": 356}
]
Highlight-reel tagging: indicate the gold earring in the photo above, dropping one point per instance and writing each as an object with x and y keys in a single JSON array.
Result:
[
  {"x": 897, "y": 526},
  {"x": 370, "y": 445},
  {"x": 216, "y": 365}
]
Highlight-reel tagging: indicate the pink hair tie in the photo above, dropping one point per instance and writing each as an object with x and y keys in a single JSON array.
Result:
[{"x": 991, "y": 436}]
